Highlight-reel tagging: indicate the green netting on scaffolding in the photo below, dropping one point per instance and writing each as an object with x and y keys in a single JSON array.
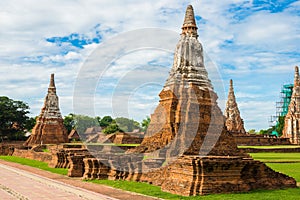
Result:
[
  {"x": 287, "y": 91},
  {"x": 286, "y": 94}
]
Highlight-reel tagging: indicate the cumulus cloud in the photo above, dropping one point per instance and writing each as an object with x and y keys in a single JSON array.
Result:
[{"x": 256, "y": 44}]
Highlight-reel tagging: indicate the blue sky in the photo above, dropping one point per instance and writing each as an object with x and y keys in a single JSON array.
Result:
[{"x": 255, "y": 43}]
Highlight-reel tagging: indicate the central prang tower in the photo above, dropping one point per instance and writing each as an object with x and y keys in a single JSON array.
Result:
[{"x": 188, "y": 120}]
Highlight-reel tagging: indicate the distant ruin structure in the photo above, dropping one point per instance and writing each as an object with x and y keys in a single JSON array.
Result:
[
  {"x": 234, "y": 123},
  {"x": 292, "y": 119},
  {"x": 49, "y": 128}
]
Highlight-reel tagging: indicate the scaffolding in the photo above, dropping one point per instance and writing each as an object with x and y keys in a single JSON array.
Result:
[{"x": 282, "y": 106}]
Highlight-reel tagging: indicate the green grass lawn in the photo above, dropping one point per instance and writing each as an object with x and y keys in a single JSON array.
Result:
[
  {"x": 291, "y": 169},
  {"x": 111, "y": 144},
  {"x": 34, "y": 163},
  {"x": 150, "y": 190},
  {"x": 101, "y": 144},
  {"x": 280, "y": 162},
  {"x": 276, "y": 157},
  {"x": 269, "y": 147},
  {"x": 46, "y": 150}
]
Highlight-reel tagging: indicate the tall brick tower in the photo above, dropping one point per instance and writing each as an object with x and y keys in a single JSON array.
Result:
[
  {"x": 292, "y": 119},
  {"x": 188, "y": 110},
  {"x": 49, "y": 128}
]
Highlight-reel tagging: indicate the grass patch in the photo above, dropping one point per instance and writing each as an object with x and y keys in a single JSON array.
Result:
[
  {"x": 111, "y": 144},
  {"x": 34, "y": 163},
  {"x": 142, "y": 188},
  {"x": 127, "y": 145},
  {"x": 151, "y": 190},
  {"x": 276, "y": 157},
  {"x": 270, "y": 147},
  {"x": 290, "y": 169},
  {"x": 46, "y": 150},
  {"x": 280, "y": 162}
]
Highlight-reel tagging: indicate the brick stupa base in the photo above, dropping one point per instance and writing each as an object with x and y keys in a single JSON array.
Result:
[{"x": 193, "y": 175}]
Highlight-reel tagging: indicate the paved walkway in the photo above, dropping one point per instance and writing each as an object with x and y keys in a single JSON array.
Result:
[{"x": 19, "y": 182}]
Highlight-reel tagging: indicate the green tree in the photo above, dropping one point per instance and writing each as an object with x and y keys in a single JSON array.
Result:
[
  {"x": 13, "y": 118},
  {"x": 69, "y": 122},
  {"x": 252, "y": 131},
  {"x": 82, "y": 122},
  {"x": 112, "y": 128},
  {"x": 30, "y": 123},
  {"x": 105, "y": 121},
  {"x": 279, "y": 127},
  {"x": 98, "y": 119},
  {"x": 127, "y": 125},
  {"x": 267, "y": 131},
  {"x": 145, "y": 123}
]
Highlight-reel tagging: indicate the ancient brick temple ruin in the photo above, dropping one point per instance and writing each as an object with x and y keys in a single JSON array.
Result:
[
  {"x": 49, "y": 128},
  {"x": 187, "y": 149},
  {"x": 292, "y": 119},
  {"x": 234, "y": 123},
  {"x": 188, "y": 110}
]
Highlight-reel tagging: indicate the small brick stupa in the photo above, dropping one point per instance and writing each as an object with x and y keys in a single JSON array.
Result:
[
  {"x": 234, "y": 123},
  {"x": 292, "y": 119},
  {"x": 49, "y": 128}
]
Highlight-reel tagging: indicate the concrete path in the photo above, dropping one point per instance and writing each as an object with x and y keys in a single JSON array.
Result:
[
  {"x": 23, "y": 185},
  {"x": 14, "y": 184}
]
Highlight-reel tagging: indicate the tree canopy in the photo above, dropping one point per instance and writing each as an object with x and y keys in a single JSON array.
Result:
[
  {"x": 69, "y": 122},
  {"x": 127, "y": 125},
  {"x": 112, "y": 128},
  {"x": 79, "y": 122},
  {"x": 13, "y": 118},
  {"x": 252, "y": 131},
  {"x": 280, "y": 125},
  {"x": 106, "y": 121},
  {"x": 145, "y": 123}
]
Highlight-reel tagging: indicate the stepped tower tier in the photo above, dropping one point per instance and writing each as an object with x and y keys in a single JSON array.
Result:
[
  {"x": 234, "y": 122},
  {"x": 49, "y": 128}
]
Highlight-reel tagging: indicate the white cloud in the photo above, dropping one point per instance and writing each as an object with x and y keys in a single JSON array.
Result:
[
  {"x": 261, "y": 45},
  {"x": 273, "y": 31},
  {"x": 256, "y": 113}
]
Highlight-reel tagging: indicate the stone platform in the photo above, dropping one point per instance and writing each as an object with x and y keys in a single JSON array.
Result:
[{"x": 193, "y": 175}]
